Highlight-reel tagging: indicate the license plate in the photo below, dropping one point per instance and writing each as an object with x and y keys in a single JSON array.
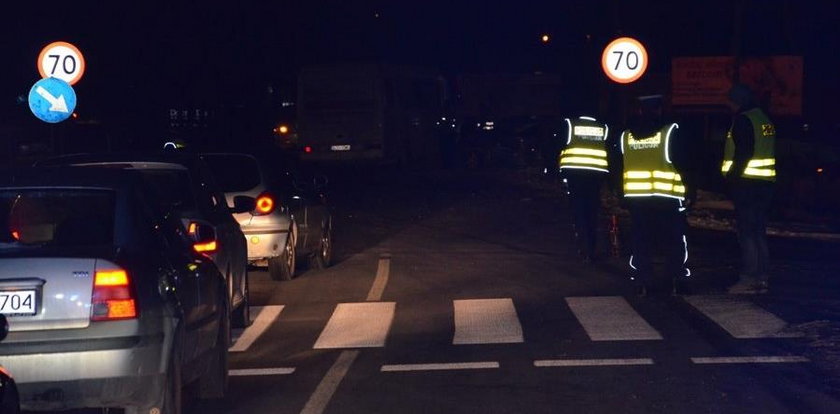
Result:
[
  {"x": 17, "y": 302},
  {"x": 340, "y": 148}
]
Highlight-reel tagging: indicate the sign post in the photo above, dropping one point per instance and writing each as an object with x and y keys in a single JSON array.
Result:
[
  {"x": 624, "y": 60},
  {"x": 61, "y": 60}
]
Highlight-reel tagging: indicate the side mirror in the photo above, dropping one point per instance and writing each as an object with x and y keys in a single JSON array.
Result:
[
  {"x": 4, "y": 326},
  {"x": 203, "y": 236},
  {"x": 243, "y": 204}
]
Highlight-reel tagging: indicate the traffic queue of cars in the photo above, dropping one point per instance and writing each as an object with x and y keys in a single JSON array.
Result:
[{"x": 121, "y": 274}]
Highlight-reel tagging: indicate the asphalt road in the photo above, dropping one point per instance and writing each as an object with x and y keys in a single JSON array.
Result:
[{"x": 458, "y": 292}]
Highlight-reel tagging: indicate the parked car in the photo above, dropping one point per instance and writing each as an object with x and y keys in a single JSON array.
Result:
[
  {"x": 111, "y": 304},
  {"x": 184, "y": 187},
  {"x": 9, "y": 398},
  {"x": 291, "y": 219}
]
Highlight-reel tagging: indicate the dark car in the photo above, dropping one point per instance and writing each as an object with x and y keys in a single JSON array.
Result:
[
  {"x": 291, "y": 218},
  {"x": 109, "y": 294},
  {"x": 183, "y": 186}
]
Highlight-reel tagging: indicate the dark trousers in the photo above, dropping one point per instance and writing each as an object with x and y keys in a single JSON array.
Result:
[
  {"x": 752, "y": 199},
  {"x": 585, "y": 197},
  {"x": 658, "y": 226}
]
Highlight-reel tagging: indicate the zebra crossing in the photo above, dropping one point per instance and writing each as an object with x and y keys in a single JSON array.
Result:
[{"x": 495, "y": 321}]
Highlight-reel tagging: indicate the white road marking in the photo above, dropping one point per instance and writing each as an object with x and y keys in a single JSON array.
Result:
[
  {"x": 592, "y": 362},
  {"x": 323, "y": 393},
  {"x": 611, "y": 318},
  {"x": 740, "y": 317},
  {"x": 383, "y": 270},
  {"x": 486, "y": 321},
  {"x": 449, "y": 366},
  {"x": 750, "y": 360},
  {"x": 357, "y": 325},
  {"x": 265, "y": 316},
  {"x": 256, "y": 372}
]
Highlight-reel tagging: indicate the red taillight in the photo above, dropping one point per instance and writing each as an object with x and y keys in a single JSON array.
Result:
[
  {"x": 307, "y": 149},
  {"x": 112, "y": 297},
  {"x": 265, "y": 204},
  {"x": 209, "y": 247},
  {"x": 16, "y": 235}
]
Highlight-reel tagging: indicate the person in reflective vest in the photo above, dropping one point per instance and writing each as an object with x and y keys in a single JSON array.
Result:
[
  {"x": 583, "y": 165},
  {"x": 749, "y": 167},
  {"x": 655, "y": 194}
]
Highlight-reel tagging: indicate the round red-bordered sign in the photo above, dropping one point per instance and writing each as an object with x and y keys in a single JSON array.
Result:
[
  {"x": 624, "y": 60},
  {"x": 61, "y": 60}
]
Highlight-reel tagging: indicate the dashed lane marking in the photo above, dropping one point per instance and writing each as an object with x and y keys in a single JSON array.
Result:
[
  {"x": 448, "y": 366},
  {"x": 592, "y": 362},
  {"x": 257, "y": 372},
  {"x": 750, "y": 360}
]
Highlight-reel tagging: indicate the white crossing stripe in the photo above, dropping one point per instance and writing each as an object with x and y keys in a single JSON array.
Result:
[
  {"x": 383, "y": 269},
  {"x": 260, "y": 372},
  {"x": 740, "y": 317},
  {"x": 592, "y": 362},
  {"x": 357, "y": 325},
  {"x": 449, "y": 366},
  {"x": 265, "y": 316},
  {"x": 750, "y": 360},
  {"x": 611, "y": 318},
  {"x": 486, "y": 321}
]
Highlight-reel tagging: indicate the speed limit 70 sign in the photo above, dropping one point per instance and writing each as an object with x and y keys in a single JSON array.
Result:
[
  {"x": 61, "y": 60},
  {"x": 624, "y": 60}
]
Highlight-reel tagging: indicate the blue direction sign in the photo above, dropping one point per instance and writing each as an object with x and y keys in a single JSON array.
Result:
[{"x": 52, "y": 100}]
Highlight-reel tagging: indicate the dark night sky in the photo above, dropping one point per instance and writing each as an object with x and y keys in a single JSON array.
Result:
[{"x": 194, "y": 52}]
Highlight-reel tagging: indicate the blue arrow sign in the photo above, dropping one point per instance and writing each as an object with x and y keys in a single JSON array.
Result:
[{"x": 52, "y": 100}]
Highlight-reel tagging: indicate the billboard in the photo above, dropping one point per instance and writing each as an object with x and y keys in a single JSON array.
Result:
[{"x": 776, "y": 80}]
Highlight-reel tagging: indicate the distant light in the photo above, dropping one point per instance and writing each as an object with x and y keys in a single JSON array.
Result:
[
  {"x": 307, "y": 149},
  {"x": 819, "y": 170},
  {"x": 283, "y": 129},
  {"x": 75, "y": 115},
  {"x": 376, "y": 15},
  {"x": 545, "y": 38}
]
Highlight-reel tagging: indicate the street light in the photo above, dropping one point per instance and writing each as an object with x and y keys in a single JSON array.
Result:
[{"x": 545, "y": 38}]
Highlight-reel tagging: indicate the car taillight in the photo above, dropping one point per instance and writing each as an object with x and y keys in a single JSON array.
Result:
[
  {"x": 265, "y": 204},
  {"x": 307, "y": 149},
  {"x": 113, "y": 297},
  {"x": 209, "y": 247}
]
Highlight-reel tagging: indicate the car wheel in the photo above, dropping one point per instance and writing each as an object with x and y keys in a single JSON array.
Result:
[
  {"x": 241, "y": 317},
  {"x": 214, "y": 383},
  {"x": 283, "y": 267},
  {"x": 323, "y": 257}
]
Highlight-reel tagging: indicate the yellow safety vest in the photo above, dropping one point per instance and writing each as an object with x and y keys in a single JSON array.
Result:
[
  {"x": 586, "y": 147},
  {"x": 762, "y": 165},
  {"x": 648, "y": 170}
]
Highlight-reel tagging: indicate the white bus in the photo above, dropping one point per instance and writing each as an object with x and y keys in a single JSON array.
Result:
[{"x": 382, "y": 113}]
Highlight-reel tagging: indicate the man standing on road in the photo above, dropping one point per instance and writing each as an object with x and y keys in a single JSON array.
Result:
[
  {"x": 749, "y": 166},
  {"x": 583, "y": 165},
  {"x": 655, "y": 194}
]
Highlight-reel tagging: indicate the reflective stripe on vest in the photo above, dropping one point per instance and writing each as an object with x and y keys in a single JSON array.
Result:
[
  {"x": 585, "y": 146},
  {"x": 648, "y": 171},
  {"x": 762, "y": 166}
]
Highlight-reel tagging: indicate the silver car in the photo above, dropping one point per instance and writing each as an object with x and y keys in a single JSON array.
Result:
[
  {"x": 289, "y": 221},
  {"x": 110, "y": 303}
]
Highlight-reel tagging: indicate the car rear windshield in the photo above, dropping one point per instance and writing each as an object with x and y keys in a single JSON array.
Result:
[
  {"x": 56, "y": 217},
  {"x": 234, "y": 173},
  {"x": 171, "y": 188}
]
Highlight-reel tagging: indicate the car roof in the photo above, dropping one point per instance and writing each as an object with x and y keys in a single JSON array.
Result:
[
  {"x": 68, "y": 177},
  {"x": 135, "y": 160}
]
